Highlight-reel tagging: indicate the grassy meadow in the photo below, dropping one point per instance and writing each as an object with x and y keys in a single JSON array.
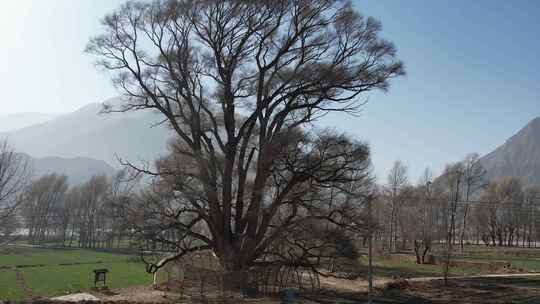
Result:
[
  {"x": 35, "y": 272},
  {"x": 27, "y": 272}
]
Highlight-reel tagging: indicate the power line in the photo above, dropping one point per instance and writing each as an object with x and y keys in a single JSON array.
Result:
[{"x": 483, "y": 203}]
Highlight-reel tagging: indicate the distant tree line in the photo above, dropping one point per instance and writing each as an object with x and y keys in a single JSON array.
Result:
[
  {"x": 459, "y": 207},
  {"x": 15, "y": 172},
  {"x": 88, "y": 215}
]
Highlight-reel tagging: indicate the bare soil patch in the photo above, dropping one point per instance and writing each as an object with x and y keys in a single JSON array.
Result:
[
  {"x": 493, "y": 290},
  {"x": 134, "y": 294},
  {"x": 147, "y": 294}
]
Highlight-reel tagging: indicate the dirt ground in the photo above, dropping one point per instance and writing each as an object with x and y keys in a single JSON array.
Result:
[
  {"x": 147, "y": 294},
  {"x": 142, "y": 294},
  {"x": 495, "y": 290}
]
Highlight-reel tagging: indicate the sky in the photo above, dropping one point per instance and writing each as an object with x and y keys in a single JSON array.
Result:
[
  {"x": 42, "y": 64},
  {"x": 472, "y": 73}
]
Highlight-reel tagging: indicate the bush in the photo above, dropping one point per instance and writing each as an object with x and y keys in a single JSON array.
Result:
[{"x": 397, "y": 284}]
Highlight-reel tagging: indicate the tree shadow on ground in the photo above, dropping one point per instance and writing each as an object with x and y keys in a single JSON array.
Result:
[
  {"x": 333, "y": 296},
  {"x": 478, "y": 290},
  {"x": 474, "y": 291},
  {"x": 400, "y": 272}
]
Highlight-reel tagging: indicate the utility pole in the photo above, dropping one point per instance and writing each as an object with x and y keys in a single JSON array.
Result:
[{"x": 370, "y": 252}]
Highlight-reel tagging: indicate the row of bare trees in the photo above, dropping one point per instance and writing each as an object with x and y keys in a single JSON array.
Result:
[
  {"x": 85, "y": 215},
  {"x": 511, "y": 216},
  {"x": 15, "y": 172},
  {"x": 47, "y": 210},
  {"x": 460, "y": 206}
]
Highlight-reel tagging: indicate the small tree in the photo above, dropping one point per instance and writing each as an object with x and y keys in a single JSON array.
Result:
[
  {"x": 531, "y": 200},
  {"x": 474, "y": 180},
  {"x": 43, "y": 204},
  {"x": 15, "y": 173},
  {"x": 424, "y": 216},
  {"x": 452, "y": 179},
  {"x": 94, "y": 197},
  {"x": 397, "y": 179}
]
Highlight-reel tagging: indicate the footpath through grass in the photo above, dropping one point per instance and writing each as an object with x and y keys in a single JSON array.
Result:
[{"x": 30, "y": 272}]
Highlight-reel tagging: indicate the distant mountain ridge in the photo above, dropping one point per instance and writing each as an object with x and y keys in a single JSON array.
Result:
[
  {"x": 88, "y": 134},
  {"x": 78, "y": 169},
  {"x": 16, "y": 121},
  {"x": 519, "y": 156}
]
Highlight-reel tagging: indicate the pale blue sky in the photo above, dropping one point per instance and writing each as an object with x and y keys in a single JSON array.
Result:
[
  {"x": 42, "y": 65},
  {"x": 472, "y": 82},
  {"x": 472, "y": 72}
]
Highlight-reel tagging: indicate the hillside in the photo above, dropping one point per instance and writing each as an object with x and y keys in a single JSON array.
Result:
[
  {"x": 87, "y": 133},
  {"x": 519, "y": 156},
  {"x": 78, "y": 170},
  {"x": 16, "y": 121}
]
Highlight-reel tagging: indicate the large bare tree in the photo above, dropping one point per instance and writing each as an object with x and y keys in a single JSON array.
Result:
[{"x": 240, "y": 83}]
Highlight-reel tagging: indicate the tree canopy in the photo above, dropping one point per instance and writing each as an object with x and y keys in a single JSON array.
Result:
[{"x": 241, "y": 83}]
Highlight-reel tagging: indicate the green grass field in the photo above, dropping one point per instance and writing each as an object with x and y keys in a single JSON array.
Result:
[
  {"x": 32, "y": 272},
  {"x": 407, "y": 269},
  {"x": 12, "y": 256},
  {"x": 18, "y": 281},
  {"x": 526, "y": 259}
]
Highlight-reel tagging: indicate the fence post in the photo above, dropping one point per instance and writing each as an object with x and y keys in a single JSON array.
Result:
[{"x": 370, "y": 252}]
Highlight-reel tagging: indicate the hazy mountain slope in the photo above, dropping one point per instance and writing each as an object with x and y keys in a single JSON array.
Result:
[
  {"x": 20, "y": 120},
  {"x": 86, "y": 133},
  {"x": 519, "y": 156},
  {"x": 78, "y": 170}
]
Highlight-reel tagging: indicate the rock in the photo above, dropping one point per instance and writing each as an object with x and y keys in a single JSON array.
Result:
[{"x": 76, "y": 297}]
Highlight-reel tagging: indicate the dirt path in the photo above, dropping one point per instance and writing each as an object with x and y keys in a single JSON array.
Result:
[
  {"x": 22, "y": 284},
  {"x": 505, "y": 275},
  {"x": 147, "y": 294}
]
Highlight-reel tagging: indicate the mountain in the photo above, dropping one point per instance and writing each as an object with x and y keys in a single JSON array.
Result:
[
  {"x": 87, "y": 133},
  {"x": 519, "y": 156},
  {"x": 78, "y": 169},
  {"x": 16, "y": 121}
]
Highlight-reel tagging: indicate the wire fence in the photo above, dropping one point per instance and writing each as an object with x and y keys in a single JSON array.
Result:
[{"x": 201, "y": 281}]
